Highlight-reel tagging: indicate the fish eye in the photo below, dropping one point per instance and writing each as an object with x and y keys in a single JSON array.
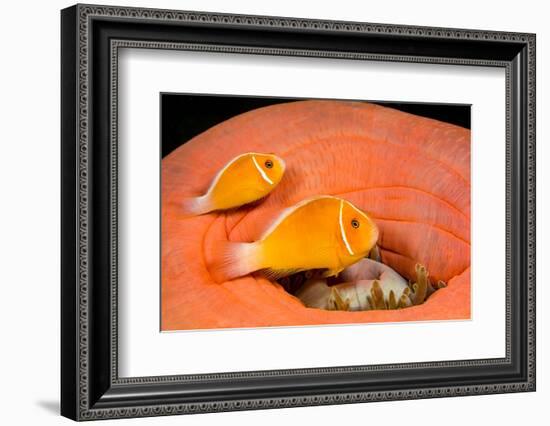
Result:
[
  {"x": 355, "y": 223},
  {"x": 268, "y": 164}
]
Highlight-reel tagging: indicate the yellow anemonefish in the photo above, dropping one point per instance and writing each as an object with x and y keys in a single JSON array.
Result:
[
  {"x": 244, "y": 179},
  {"x": 324, "y": 232}
]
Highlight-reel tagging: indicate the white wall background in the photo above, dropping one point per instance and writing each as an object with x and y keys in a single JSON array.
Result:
[{"x": 29, "y": 211}]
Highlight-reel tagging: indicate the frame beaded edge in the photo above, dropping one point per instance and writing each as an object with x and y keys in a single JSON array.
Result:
[{"x": 87, "y": 11}]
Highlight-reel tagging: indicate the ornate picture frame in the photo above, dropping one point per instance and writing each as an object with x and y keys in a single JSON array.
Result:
[{"x": 91, "y": 37}]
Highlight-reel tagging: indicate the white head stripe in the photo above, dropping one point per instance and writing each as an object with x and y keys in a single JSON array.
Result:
[
  {"x": 362, "y": 213},
  {"x": 342, "y": 231},
  {"x": 262, "y": 173}
]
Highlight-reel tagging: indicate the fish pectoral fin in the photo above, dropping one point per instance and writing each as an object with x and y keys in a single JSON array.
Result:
[
  {"x": 331, "y": 272},
  {"x": 275, "y": 274}
]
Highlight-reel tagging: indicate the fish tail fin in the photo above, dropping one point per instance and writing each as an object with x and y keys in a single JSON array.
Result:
[
  {"x": 235, "y": 260},
  {"x": 195, "y": 206}
]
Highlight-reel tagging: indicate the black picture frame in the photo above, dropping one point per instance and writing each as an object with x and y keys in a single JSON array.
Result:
[{"x": 90, "y": 38}]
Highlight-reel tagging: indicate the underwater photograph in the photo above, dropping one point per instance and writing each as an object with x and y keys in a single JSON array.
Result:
[{"x": 301, "y": 212}]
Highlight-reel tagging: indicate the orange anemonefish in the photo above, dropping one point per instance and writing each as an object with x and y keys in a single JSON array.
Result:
[
  {"x": 246, "y": 178},
  {"x": 324, "y": 232}
]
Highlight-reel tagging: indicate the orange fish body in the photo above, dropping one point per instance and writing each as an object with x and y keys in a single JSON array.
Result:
[
  {"x": 246, "y": 178},
  {"x": 320, "y": 233}
]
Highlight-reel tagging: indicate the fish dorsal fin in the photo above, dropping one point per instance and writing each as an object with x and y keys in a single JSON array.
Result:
[
  {"x": 222, "y": 171},
  {"x": 289, "y": 210}
]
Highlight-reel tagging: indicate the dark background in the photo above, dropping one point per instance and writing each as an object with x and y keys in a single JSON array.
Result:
[{"x": 185, "y": 116}]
